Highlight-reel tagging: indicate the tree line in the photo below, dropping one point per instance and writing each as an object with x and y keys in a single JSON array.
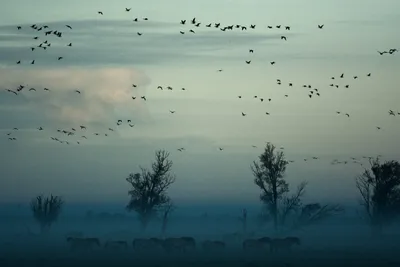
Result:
[{"x": 378, "y": 186}]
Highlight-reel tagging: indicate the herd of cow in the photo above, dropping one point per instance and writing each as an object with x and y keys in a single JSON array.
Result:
[{"x": 184, "y": 244}]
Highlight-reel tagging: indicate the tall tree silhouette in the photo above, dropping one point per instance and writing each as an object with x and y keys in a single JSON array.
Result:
[
  {"x": 149, "y": 188},
  {"x": 46, "y": 210},
  {"x": 269, "y": 175},
  {"x": 379, "y": 188}
]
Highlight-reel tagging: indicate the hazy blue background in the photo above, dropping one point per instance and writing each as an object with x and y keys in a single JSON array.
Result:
[{"x": 107, "y": 56}]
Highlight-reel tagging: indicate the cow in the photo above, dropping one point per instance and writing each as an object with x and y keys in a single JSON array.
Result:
[
  {"x": 116, "y": 245},
  {"x": 144, "y": 244},
  {"x": 256, "y": 244},
  {"x": 181, "y": 244},
  {"x": 284, "y": 244},
  {"x": 213, "y": 246},
  {"x": 83, "y": 244}
]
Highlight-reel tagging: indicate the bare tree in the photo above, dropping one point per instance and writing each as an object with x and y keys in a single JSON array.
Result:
[
  {"x": 149, "y": 188},
  {"x": 379, "y": 188},
  {"x": 263, "y": 217},
  {"x": 314, "y": 212},
  {"x": 243, "y": 220},
  {"x": 291, "y": 204},
  {"x": 46, "y": 210},
  {"x": 168, "y": 208},
  {"x": 269, "y": 175}
]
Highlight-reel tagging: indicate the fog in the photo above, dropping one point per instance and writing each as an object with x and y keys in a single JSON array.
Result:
[{"x": 343, "y": 240}]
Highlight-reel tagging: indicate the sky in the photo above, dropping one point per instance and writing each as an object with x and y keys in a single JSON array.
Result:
[{"x": 107, "y": 57}]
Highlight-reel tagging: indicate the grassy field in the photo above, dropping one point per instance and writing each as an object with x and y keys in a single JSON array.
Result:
[
  {"x": 58, "y": 257},
  {"x": 322, "y": 245}
]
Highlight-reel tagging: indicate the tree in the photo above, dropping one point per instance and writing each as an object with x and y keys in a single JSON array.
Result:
[
  {"x": 46, "y": 210},
  {"x": 269, "y": 175},
  {"x": 315, "y": 212},
  {"x": 243, "y": 220},
  {"x": 379, "y": 188},
  {"x": 168, "y": 208},
  {"x": 291, "y": 204},
  {"x": 149, "y": 188}
]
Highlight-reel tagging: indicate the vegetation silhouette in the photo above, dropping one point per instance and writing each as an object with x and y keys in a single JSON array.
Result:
[
  {"x": 269, "y": 176},
  {"x": 379, "y": 188},
  {"x": 167, "y": 209},
  {"x": 46, "y": 210},
  {"x": 149, "y": 188}
]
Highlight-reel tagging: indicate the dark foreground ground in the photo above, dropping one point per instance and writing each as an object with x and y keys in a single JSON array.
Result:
[
  {"x": 324, "y": 245},
  {"x": 300, "y": 257}
]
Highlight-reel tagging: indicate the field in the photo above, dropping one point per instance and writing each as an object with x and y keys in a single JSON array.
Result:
[{"x": 325, "y": 245}]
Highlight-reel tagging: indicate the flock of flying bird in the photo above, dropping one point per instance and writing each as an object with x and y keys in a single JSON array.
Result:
[{"x": 81, "y": 130}]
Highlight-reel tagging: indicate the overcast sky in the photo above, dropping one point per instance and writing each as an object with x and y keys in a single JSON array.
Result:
[{"x": 107, "y": 56}]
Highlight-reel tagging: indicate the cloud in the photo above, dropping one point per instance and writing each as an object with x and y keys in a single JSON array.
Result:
[
  {"x": 97, "y": 42},
  {"x": 103, "y": 91}
]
